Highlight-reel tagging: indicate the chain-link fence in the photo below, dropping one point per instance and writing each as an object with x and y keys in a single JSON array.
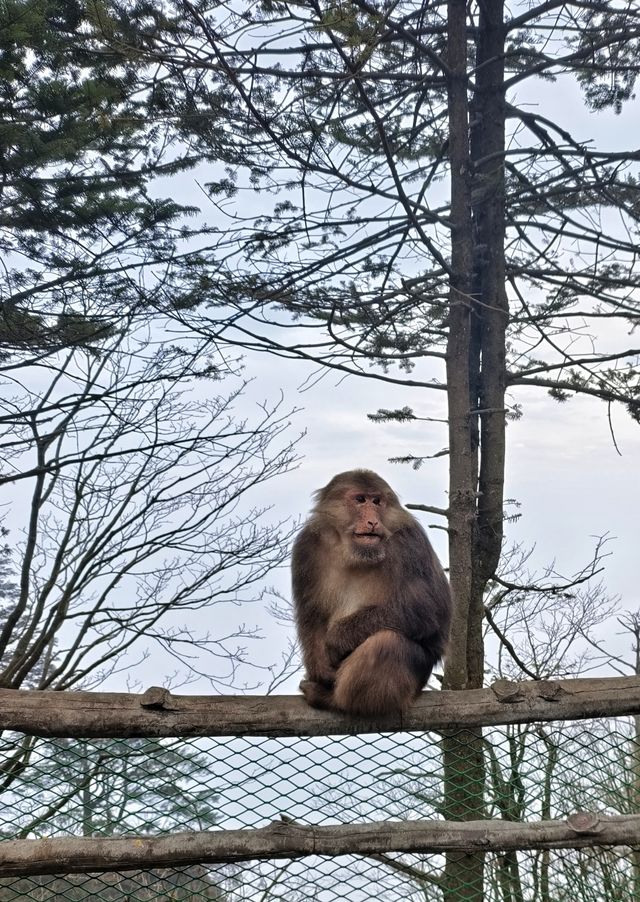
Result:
[{"x": 532, "y": 772}]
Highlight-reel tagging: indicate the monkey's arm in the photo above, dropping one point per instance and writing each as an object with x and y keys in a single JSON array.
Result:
[
  {"x": 343, "y": 636},
  {"x": 311, "y": 620},
  {"x": 415, "y": 618},
  {"x": 317, "y": 661}
]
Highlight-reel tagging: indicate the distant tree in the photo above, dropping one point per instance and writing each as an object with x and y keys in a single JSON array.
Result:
[
  {"x": 110, "y": 787},
  {"x": 178, "y": 885},
  {"x": 130, "y": 477}
]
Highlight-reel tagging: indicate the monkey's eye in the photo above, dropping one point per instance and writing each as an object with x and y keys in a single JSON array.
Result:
[
  {"x": 361, "y": 499},
  {"x": 376, "y": 500}
]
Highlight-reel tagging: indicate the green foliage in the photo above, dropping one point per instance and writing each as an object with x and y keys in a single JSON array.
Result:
[
  {"x": 403, "y": 415},
  {"x": 350, "y": 128},
  {"x": 86, "y": 127},
  {"x": 108, "y": 788},
  {"x": 20, "y": 329},
  {"x": 609, "y": 44},
  {"x": 345, "y": 136}
]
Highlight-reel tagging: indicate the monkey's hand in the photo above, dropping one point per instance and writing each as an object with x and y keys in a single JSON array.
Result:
[
  {"x": 338, "y": 651},
  {"x": 347, "y": 634},
  {"x": 325, "y": 677},
  {"x": 339, "y": 643}
]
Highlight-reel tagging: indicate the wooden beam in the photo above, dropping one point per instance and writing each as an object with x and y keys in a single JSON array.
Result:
[
  {"x": 73, "y": 855},
  {"x": 158, "y": 712}
]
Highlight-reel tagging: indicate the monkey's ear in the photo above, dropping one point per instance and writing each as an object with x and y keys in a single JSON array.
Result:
[{"x": 328, "y": 491}]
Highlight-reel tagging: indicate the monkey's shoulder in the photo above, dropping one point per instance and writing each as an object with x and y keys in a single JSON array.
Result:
[
  {"x": 411, "y": 543},
  {"x": 309, "y": 563}
]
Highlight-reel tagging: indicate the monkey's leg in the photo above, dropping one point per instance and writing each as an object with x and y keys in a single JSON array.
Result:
[{"x": 384, "y": 675}]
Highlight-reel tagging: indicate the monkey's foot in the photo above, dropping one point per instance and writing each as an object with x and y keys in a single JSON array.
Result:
[{"x": 318, "y": 695}]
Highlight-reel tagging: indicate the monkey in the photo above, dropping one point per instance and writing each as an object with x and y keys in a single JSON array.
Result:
[{"x": 371, "y": 601}]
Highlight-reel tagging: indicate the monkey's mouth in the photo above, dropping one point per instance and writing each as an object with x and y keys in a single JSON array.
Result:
[{"x": 367, "y": 538}]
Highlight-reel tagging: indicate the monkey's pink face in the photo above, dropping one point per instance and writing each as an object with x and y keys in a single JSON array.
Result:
[{"x": 366, "y": 530}]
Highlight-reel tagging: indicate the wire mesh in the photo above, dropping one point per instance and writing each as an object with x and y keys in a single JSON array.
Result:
[{"x": 70, "y": 787}]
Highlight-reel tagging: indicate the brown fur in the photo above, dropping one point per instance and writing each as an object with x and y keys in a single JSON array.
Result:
[{"x": 372, "y": 602}]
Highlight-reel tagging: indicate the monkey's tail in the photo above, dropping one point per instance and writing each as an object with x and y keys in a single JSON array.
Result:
[{"x": 384, "y": 675}]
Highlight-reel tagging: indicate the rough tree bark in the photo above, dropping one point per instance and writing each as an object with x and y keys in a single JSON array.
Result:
[
  {"x": 157, "y": 712},
  {"x": 476, "y": 374}
]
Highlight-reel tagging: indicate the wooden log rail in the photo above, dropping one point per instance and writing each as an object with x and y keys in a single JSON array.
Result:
[
  {"x": 158, "y": 712},
  {"x": 72, "y": 855}
]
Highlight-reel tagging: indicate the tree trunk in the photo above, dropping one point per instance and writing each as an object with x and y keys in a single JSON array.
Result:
[
  {"x": 635, "y": 804},
  {"x": 476, "y": 384},
  {"x": 463, "y": 779}
]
